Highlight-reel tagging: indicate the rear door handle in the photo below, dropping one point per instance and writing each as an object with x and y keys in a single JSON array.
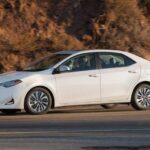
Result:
[
  {"x": 93, "y": 75},
  {"x": 132, "y": 71}
]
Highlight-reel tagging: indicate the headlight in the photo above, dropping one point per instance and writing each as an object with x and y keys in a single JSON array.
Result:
[{"x": 10, "y": 83}]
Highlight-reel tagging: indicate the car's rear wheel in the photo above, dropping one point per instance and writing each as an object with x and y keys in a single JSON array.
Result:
[
  {"x": 141, "y": 97},
  {"x": 9, "y": 111},
  {"x": 38, "y": 101},
  {"x": 108, "y": 106}
]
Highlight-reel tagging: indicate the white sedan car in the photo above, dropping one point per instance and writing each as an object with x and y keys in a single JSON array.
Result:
[{"x": 77, "y": 78}]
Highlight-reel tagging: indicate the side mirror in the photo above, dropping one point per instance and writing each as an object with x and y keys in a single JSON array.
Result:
[{"x": 64, "y": 69}]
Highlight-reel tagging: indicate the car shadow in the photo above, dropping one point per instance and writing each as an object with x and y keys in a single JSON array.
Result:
[
  {"x": 64, "y": 111},
  {"x": 80, "y": 109}
]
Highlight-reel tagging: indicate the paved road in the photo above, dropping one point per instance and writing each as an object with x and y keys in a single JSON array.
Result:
[{"x": 85, "y": 128}]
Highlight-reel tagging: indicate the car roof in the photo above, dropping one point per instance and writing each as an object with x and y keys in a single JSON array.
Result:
[
  {"x": 71, "y": 52},
  {"x": 74, "y": 52},
  {"x": 67, "y": 52}
]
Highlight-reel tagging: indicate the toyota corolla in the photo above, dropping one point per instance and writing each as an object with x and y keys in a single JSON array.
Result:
[{"x": 67, "y": 78}]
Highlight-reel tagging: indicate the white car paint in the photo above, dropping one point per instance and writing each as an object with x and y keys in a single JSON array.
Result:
[
  {"x": 78, "y": 88},
  {"x": 114, "y": 85}
]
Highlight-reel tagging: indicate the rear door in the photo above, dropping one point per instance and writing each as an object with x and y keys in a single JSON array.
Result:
[{"x": 119, "y": 75}]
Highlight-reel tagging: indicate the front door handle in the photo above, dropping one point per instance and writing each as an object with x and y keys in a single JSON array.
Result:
[{"x": 132, "y": 71}]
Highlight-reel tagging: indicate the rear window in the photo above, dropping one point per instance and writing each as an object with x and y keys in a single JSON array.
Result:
[{"x": 114, "y": 60}]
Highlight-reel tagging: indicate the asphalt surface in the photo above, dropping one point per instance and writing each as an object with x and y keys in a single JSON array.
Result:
[{"x": 79, "y": 128}]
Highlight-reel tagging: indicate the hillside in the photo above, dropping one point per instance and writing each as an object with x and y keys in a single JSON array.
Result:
[{"x": 34, "y": 28}]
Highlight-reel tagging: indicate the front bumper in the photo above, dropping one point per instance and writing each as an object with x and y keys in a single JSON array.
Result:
[{"x": 9, "y": 94}]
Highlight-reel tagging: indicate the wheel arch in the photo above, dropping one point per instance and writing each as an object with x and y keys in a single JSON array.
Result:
[
  {"x": 140, "y": 83},
  {"x": 134, "y": 102},
  {"x": 52, "y": 95}
]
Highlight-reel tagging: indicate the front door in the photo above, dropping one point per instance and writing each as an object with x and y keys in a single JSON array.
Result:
[{"x": 81, "y": 83}]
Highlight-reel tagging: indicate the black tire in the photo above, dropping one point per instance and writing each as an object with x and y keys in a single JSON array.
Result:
[
  {"x": 10, "y": 111},
  {"x": 38, "y": 104},
  {"x": 108, "y": 106},
  {"x": 139, "y": 101}
]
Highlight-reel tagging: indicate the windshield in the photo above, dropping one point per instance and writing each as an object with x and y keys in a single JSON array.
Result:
[{"x": 46, "y": 62}]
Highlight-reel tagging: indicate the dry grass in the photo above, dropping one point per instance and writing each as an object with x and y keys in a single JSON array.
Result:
[{"x": 31, "y": 29}]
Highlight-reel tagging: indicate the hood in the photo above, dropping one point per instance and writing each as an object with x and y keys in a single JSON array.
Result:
[{"x": 14, "y": 75}]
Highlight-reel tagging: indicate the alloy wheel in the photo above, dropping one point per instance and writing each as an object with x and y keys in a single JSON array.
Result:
[
  {"x": 143, "y": 96},
  {"x": 38, "y": 101}
]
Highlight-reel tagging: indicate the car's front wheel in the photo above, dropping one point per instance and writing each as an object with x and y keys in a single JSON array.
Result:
[
  {"x": 141, "y": 97},
  {"x": 38, "y": 101}
]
